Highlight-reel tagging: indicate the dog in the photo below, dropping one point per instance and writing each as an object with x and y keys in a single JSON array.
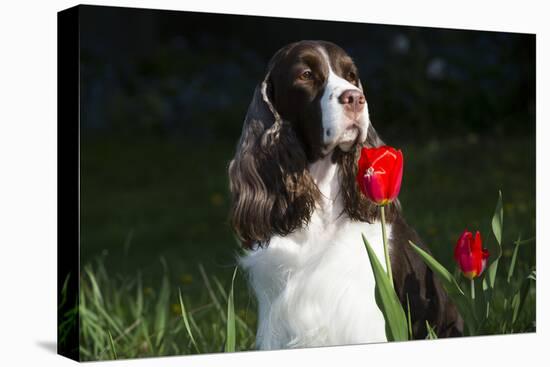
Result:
[{"x": 299, "y": 213}]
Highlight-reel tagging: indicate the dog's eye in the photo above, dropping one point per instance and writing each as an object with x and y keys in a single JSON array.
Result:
[
  {"x": 352, "y": 76},
  {"x": 306, "y": 75}
]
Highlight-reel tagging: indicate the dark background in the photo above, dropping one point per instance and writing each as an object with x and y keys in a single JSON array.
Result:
[{"x": 163, "y": 98}]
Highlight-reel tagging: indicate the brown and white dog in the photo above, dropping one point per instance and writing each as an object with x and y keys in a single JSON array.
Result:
[{"x": 299, "y": 213}]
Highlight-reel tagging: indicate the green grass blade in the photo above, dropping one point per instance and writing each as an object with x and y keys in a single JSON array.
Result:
[
  {"x": 112, "y": 344},
  {"x": 99, "y": 303},
  {"x": 450, "y": 285},
  {"x": 198, "y": 331},
  {"x": 230, "y": 339},
  {"x": 387, "y": 300},
  {"x": 431, "y": 333},
  {"x": 513, "y": 260},
  {"x": 175, "y": 348},
  {"x": 161, "y": 308},
  {"x": 186, "y": 322},
  {"x": 529, "y": 240},
  {"x": 521, "y": 297},
  {"x": 409, "y": 318},
  {"x": 146, "y": 336},
  {"x": 220, "y": 288},
  {"x": 138, "y": 309},
  {"x": 64, "y": 291},
  {"x": 212, "y": 293},
  {"x": 97, "y": 296}
]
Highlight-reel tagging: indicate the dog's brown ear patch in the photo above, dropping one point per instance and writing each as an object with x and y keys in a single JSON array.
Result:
[{"x": 272, "y": 191}]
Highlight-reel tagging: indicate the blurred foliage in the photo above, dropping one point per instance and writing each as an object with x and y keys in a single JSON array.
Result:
[{"x": 193, "y": 74}]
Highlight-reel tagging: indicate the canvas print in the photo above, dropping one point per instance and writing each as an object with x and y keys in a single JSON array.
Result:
[{"x": 233, "y": 183}]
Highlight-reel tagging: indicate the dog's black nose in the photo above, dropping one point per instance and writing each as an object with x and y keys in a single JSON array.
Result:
[{"x": 352, "y": 99}]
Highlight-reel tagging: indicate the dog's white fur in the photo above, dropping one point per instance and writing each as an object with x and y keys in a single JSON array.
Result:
[
  {"x": 315, "y": 287},
  {"x": 335, "y": 123}
]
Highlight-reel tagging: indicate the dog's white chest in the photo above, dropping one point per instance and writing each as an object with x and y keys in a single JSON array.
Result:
[{"x": 315, "y": 287}]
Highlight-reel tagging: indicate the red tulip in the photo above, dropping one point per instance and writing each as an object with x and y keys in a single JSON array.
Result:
[
  {"x": 470, "y": 256},
  {"x": 380, "y": 173}
]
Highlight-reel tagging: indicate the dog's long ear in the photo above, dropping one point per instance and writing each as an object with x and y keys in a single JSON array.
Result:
[{"x": 272, "y": 191}]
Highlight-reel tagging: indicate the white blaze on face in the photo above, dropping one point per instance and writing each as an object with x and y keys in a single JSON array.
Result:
[{"x": 337, "y": 127}]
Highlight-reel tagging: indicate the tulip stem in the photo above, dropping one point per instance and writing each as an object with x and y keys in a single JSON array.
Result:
[
  {"x": 385, "y": 240},
  {"x": 472, "y": 289}
]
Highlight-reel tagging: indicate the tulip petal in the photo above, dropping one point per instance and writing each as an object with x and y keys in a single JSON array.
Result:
[
  {"x": 468, "y": 254},
  {"x": 476, "y": 244},
  {"x": 394, "y": 184},
  {"x": 373, "y": 153},
  {"x": 484, "y": 257},
  {"x": 468, "y": 264},
  {"x": 375, "y": 187},
  {"x": 362, "y": 166},
  {"x": 379, "y": 173},
  {"x": 463, "y": 244}
]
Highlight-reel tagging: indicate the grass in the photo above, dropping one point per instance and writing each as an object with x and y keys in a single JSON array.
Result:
[
  {"x": 120, "y": 318},
  {"x": 158, "y": 254}
]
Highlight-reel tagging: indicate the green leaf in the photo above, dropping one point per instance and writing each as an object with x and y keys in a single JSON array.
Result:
[
  {"x": 230, "y": 339},
  {"x": 387, "y": 300},
  {"x": 112, "y": 344},
  {"x": 497, "y": 219},
  {"x": 513, "y": 260},
  {"x": 519, "y": 299},
  {"x": 431, "y": 333},
  {"x": 186, "y": 322},
  {"x": 496, "y": 224},
  {"x": 495, "y": 252},
  {"x": 480, "y": 303},
  {"x": 514, "y": 308},
  {"x": 452, "y": 288},
  {"x": 409, "y": 323},
  {"x": 487, "y": 295},
  {"x": 492, "y": 273},
  {"x": 529, "y": 240}
]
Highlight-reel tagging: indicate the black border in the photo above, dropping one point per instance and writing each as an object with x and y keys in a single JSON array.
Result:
[{"x": 68, "y": 182}]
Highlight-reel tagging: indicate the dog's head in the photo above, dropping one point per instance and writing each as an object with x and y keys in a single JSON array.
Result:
[
  {"x": 309, "y": 105},
  {"x": 315, "y": 86}
]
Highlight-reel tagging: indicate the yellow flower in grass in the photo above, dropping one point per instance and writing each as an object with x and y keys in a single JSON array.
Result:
[
  {"x": 186, "y": 279},
  {"x": 175, "y": 308}
]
